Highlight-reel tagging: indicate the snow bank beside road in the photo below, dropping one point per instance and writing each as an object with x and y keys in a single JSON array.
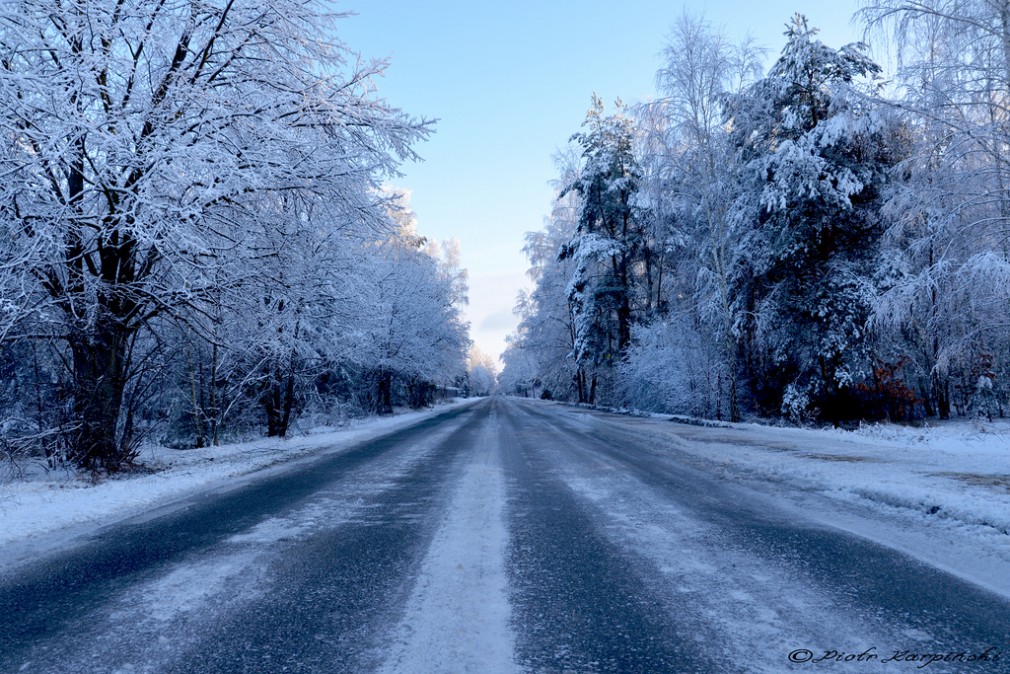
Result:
[
  {"x": 39, "y": 505},
  {"x": 957, "y": 472}
]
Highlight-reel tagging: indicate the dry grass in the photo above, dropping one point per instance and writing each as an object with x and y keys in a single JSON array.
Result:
[
  {"x": 1000, "y": 482},
  {"x": 841, "y": 457}
]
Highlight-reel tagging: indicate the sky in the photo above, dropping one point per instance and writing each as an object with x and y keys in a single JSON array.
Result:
[{"x": 509, "y": 83}]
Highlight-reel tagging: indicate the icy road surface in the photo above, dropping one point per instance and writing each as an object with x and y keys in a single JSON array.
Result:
[{"x": 508, "y": 536}]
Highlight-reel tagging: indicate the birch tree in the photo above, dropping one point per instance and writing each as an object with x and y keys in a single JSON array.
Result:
[
  {"x": 691, "y": 179},
  {"x": 951, "y": 203}
]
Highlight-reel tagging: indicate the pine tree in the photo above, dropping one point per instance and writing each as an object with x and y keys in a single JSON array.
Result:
[
  {"x": 809, "y": 224},
  {"x": 606, "y": 242}
]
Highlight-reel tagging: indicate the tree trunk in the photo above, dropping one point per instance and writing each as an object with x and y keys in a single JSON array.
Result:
[
  {"x": 734, "y": 401},
  {"x": 196, "y": 392},
  {"x": 718, "y": 396},
  {"x": 941, "y": 394},
  {"x": 580, "y": 383},
  {"x": 385, "y": 393},
  {"x": 732, "y": 352},
  {"x": 288, "y": 404},
  {"x": 213, "y": 410},
  {"x": 620, "y": 270},
  {"x": 927, "y": 398},
  {"x": 273, "y": 408},
  {"x": 99, "y": 382}
]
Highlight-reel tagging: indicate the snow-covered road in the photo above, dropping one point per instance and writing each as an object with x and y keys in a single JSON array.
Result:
[{"x": 507, "y": 536}]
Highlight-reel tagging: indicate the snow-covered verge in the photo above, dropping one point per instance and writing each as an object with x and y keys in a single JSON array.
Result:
[
  {"x": 958, "y": 472},
  {"x": 39, "y": 508},
  {"x": 939, "y": 492}
]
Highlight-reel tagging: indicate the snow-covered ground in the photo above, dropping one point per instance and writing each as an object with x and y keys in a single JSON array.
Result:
[
  {"x": 40, "y": 509},
  {"x": 940, "y": 492}
]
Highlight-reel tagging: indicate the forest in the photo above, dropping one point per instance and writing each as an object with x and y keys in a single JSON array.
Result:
[
  {"x": 198, "y": 240},
  {"x": 821, "y": 241}
]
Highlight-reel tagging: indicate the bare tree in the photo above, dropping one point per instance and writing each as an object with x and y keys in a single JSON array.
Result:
[{"x": 692, "y": 178}]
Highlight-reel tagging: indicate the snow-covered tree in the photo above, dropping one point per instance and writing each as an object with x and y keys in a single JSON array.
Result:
[
  {"x": 690, "y": 180},
  {"x": 144, "y": 140},
  {"x": 607, "y": 242},
  {"x": 521, "y": 374},
  {"x": 545, "y": 338},
  {"x": 797, "y": 243},
  {"x": 809, "y": 224},
  {"x": 950, "y": 204},
  {"x": 413, "y": 337},
  {"x": 482, "y": 372}
]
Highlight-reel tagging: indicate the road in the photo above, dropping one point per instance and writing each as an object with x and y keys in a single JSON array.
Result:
[{"x": 508, "y": 536}]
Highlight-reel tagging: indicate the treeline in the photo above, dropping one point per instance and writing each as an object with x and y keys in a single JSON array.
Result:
[
  {"x": 812, "y": 242},
  {"x": 195, "y": 242}
]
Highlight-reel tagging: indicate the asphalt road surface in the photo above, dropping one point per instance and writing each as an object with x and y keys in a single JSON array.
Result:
[{"x": 507, "y": 536}]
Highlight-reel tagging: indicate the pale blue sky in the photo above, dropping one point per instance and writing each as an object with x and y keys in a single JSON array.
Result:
[{"x": 509, "y": 83}]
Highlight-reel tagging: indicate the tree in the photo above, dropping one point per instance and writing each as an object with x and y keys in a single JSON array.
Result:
[
  {"x": 606, "y": 243},
  {"x": 950, "y": 204},
  {"x": 149, "y": 142},
  {"x": 482, "y": 372},
  {"x": 521, "y": 373},
  {"x": 545, "y": 338},
  {"x": 414, "y": 336},
  {"x": 810, "y": 223},
  {"x": 690, "y": 180}
]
